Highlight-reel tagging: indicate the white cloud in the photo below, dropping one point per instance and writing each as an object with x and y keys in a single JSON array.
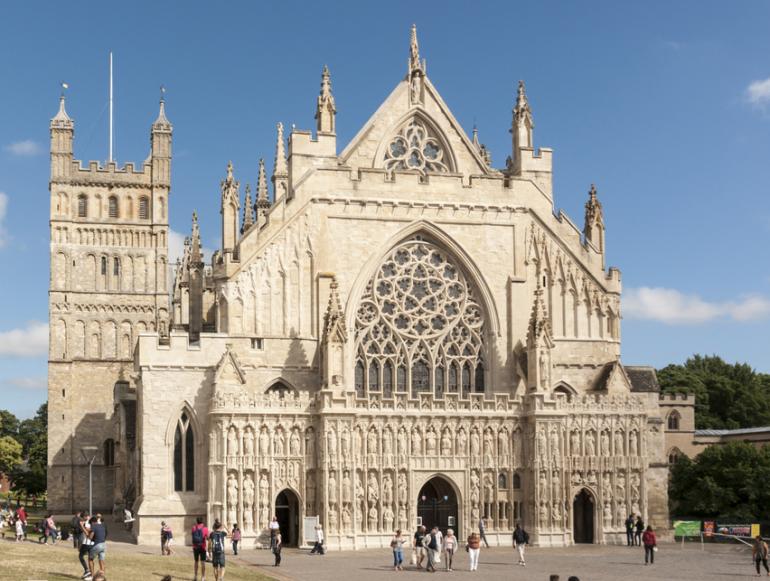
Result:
[
  {"x": 24, "y": 148},
  {"x": 30, "y": 341},
  {"x": 3, "y": 212},
  {"x": 758, "y": 92},
  {"x": 673, "y": 307},
  {"x": 31, "y": 383}
]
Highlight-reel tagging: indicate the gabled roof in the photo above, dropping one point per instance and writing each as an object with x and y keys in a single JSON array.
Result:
[{"x": 229, "y": 369}]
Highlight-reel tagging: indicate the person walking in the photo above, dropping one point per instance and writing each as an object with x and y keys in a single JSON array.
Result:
[
  {"x": 200, "y": 535},
  {"x": 217, "y": 540},
  {"x": 650, "y": 545},
  {"x": 520, "y": 540},
  {"x": 277, "y": 545},
  {"x": 630, "y": 530},
  {"x": 417, "y": 545},
  {"x": 482, "y": 529},
  {"x": 84, "y": 544},
  {"x": 19, "y": 530},
  {"x": 439, "y": 544},
  {"x": 75, "y": 528},
  {"x": 319, "y": 541},
  {"x": 431, "y": 547},
  {"x": 397, "y": 544},
  {"x": 274, "y": 528},
  {"x": 166, "y": 538},
  {"x": 449, "y": 548},
  {"x": 98, "y": 549},
  {"x": 639, "y": 531},
  {"x": 235, "y": 537},
  {"x": 759, "y": 553},
  {"x": 473, "y": 547}
]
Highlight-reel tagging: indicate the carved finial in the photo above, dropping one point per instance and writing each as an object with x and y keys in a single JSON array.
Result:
[
  {"x": 195, "y": 240},
  {"x": 521, "y": 128},
  {"x": 162, "y": 121},
  {"x": 334, "y": 319},
  {"x": 61, "y": 119},
  {"x": 248, "y": 211},
  {"x": 280, "y": 166},
  {"x": 484, "y": 153},
  {"x": 229, "y": 171},
  {"x": 325, "y": 107},
  {"x": 414, "y": 52},
  {"x": 262, "y": 202},
  {"x": 593, "y": 228},
  {"x": 522, "y": 111},
  {"x": 476, "y": 138},
  {"x": 539, "y": 322}
]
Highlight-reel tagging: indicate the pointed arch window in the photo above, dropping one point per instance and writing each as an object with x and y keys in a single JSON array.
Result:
[
  {"x": 387, "y": 379},
  {"x": 419, "y": 314},
  {"x": 673, "y": 420},
  {"x": 184, "y": 455}
]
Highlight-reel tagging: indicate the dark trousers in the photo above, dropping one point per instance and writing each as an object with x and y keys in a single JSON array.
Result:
[
  {"x": 83, "y": 556},
  {"x": 630, "y": 537},
  {"x": 277, "y": 553},
  {"x": 649, "y": 553},
  {"x": 638, "y": 538},
  {"x": 235, "y": 547},
  {"x": 759, "y": 560},
  {"x": 483, "y": 537},
  {"x": 318, "y": 548}
]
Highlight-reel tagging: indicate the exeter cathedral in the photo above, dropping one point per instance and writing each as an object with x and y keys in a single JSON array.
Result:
[{"x": 391, "y": 334}]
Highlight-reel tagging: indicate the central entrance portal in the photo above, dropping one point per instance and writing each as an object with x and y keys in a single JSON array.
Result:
[
  {"x": 287, "y": 511},
  {"x": 437, "y": 506},
  {"x": 583, "y": 517}
]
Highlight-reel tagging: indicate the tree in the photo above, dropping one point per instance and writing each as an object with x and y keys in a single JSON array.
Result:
[
  {"x": 31, "y": 438},
  {"x": 727, "y": 395},
  {"x": 10, "y": 454},
  {"x": 9, "y": 424},
  {"x": 726, "y": 482}
]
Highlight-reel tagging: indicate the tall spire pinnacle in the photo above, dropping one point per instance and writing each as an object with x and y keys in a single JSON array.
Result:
[
  {"x": 61, "y": 120},
  {"x": 262, "y": 202},
  {"x": 521, "y": 129},
  {"x": 162, "y": 122},
  {"x": 414, "y": 52},
  {"x": 248, "y": 211},
  {"x": 334, "y": 319},
  {"x": 522, "y": 112},
  {"x": 195, "y": 241},
  {"x": 593, "y": 228},
  {"x": 280, "y": 167},
  {"x": 325, "y": 107}
]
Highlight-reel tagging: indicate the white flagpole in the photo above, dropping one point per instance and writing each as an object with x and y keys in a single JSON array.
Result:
[{"x": 110, "y": 158}]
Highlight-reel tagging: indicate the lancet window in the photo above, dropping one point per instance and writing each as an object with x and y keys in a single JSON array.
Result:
[
  {"x": 184, "y": 455},
  {"x": 416, "y": 147},
  {"x": 419, "y": 326}
]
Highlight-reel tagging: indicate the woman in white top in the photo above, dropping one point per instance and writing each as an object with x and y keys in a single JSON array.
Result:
[{"x": 449, "y": 548}]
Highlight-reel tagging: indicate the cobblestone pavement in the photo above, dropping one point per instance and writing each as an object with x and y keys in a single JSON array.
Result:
[{"x": 587, "y": 562}]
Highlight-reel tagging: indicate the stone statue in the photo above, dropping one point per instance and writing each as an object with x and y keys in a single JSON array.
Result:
[
  {"x": 264, "y": 443},
  {"x": 279, "y": 442},
  {"x": 544, "y": 381},
  {"x": 502, "y": 445},
  {"x": 543, "y": 484},
  {"x": 605, "y": 443},
  {"x": 387, "y": 445},
  {"x": 462, "y": 443},
  {"x": 332, "y": 520},
  {"x": 633, "y": 444},
  {"x": 372, "y": 488},
  {"x": 387, "y": 518},
  {"x": 232, "y": 442},
  {"x": 607, "y": 515},
  {"x": 474, "y": 486},
  {"x": 332, "y": 488},
  {"x": 635, "y": 486},
  {"x": 555, "y": 447},
  {"x": 264, "y": 491},
  {"x": 475, "y": 514},
  {"x": 555, "y": 486},
  {"x": 489, "y": 488},
  {"x": 387, "y": 489},
  {"x": 430, "y": 440},
  {"x": 402, "y": 518},
  {"x": 347, "y": 488},
  {"x": 475, "y": 444},
  {"x": 446, "y": 443},
  {"x": 401, "y": 445},
  {"x": 414, "y": 88},
  {"x": 590, "y": 443},
  {"x": 248, "y": 491},
  {"x": 543, "y": 513},
  {"x": 619, "y": 451},
  {"x": 607, "y": 486},
  {"x": 331, "y": 437},
  {"x": 310, "y": 443},
  {"x": 592, "y": 478},
  {"x": 416, "y": 442},
  {"x": 542, "y": 454},
  {"x": 347, "y": 520},
  {"x": 357, "y": 443},
  {"x": 556, "y": 513},
  {"x": 620, "y": 482},
  {"x": 403, "y": 489},
  {"x": 373, "y": 517},
  {"x": 248, "y": 442},
  {"x": 294, "y": 443},
  {"x": 345, "y": 443},
  {"x": 574, "y": 443},
  {"x": 371, "y": 444},
  {"x": 359, "y": 489},
  {"x": 232, "y": 499},
  {"x": 621, "y": 512},
  {"x": 489, "y": 447}
]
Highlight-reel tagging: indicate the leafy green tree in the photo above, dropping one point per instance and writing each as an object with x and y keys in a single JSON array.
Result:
[
  {"x": 31, "y": 439},
  {"x": 9, "y": 424},
  {"x": 728, "y": 396},
  {"x": 726, "y": 482},
  {"x": 10, "y": 454}
]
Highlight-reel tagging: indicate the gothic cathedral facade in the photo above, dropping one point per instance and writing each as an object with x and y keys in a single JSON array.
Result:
[{"x": 401, "y": 333}]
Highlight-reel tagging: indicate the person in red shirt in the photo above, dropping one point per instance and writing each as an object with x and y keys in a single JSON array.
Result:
[
  {"x": 21, "y": 515},
  {"x": 200, "y": 536},
  {"x": 650, "y": 543}
]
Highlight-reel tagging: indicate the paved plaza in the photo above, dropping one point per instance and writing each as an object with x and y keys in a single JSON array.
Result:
[{"x": 587, "y": 562}]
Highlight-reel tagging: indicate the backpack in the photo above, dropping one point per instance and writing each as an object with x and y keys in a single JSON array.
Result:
[
  {"x": 526, "y": 538},
  {"x": 217, "y": 544},
  {"x": 197, "y": 536}
]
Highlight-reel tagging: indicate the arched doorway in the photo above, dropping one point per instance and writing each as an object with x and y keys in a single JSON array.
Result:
[
  {"x": 437, "y": 505},
  {"x": 287, "y": 511},
  {"x": 583, "y": 508}
]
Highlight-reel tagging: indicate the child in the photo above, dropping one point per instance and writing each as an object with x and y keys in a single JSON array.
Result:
[{"x": 19, "y": 530}]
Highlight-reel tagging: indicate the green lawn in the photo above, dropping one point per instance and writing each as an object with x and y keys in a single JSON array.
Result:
[{"x": 30, "y": 561}]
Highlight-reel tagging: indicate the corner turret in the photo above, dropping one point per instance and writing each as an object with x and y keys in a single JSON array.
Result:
[
  {"x": 525, "y": 161},
  {"x": 593, "y": 228},
  {"x": 62, "y": 134},
  {"x": 229, "y": 209},
  {"x": 325, "y": 108},
  {"x": 280, "y": 167}
]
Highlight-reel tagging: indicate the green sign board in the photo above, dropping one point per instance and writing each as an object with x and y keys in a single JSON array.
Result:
[{"x": 687, "y": 528}]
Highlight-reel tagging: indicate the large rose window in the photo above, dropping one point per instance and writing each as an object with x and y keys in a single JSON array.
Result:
[
  {"x": 415, "y": 147},
  {"x": 419, "y": 327}
]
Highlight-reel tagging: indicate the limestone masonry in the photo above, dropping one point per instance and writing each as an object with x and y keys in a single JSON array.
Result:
[{"x": 401, "y": 333}]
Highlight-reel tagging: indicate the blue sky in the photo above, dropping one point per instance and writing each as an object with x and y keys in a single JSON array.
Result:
[{"x": 664, "y": 105}]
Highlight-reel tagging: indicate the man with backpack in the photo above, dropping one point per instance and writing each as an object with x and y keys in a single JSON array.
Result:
[
  {"x": 200, "y": 536},
  {"x": 520, "y": 540},
  {"x": 217, "y": 540},
  {"x": 431, "y": 547}
]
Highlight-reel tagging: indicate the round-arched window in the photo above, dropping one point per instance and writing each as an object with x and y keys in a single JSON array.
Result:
[{"x": 420, "y": 316}]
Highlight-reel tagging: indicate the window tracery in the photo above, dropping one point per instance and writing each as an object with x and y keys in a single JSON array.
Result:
[
  {"x": 419, "y": 317},
  {"x": 184, "y": 455},
  {"x": 415, "y": 147}
]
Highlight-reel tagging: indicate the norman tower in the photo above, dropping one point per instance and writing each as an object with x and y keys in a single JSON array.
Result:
[{"x": 109, "y": 249}]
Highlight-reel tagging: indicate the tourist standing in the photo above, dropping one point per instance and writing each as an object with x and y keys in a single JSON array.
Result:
[
  {"x": 759, "y": 553},
  {"x": 75, "y": 528},
  {"x": 419, "y": 549},
  {"x": 84, "y": 543},
  {"x": 630, "y": 530},
  {"x": 19, "y": 530},
  {"x": 449, "y": 548},
  {"x": 482, "y": 529},
  {"x": 99, "y": 548},
  {"x": 199, "y": 537},
  {"x": 277, "y": 546},
  {"x": 650, "y": 545},
  {"x": 639, "y": 531},
  {"x": 520, "y": 540},
  {"x": 21, "y": 515},
  {"x": 431, "y": 546},
  {"x": 397, "y": 544},
  {"x": 474, "y": 548},
  {"x": 217, "y": 540},
  {"x": 235, "y": 537},
  {"x": 166, "y": 539},
  {"x": 318, "y": 547},
  {"x": 274, "y": 528},
  {"x": 49, "y": 530}
]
